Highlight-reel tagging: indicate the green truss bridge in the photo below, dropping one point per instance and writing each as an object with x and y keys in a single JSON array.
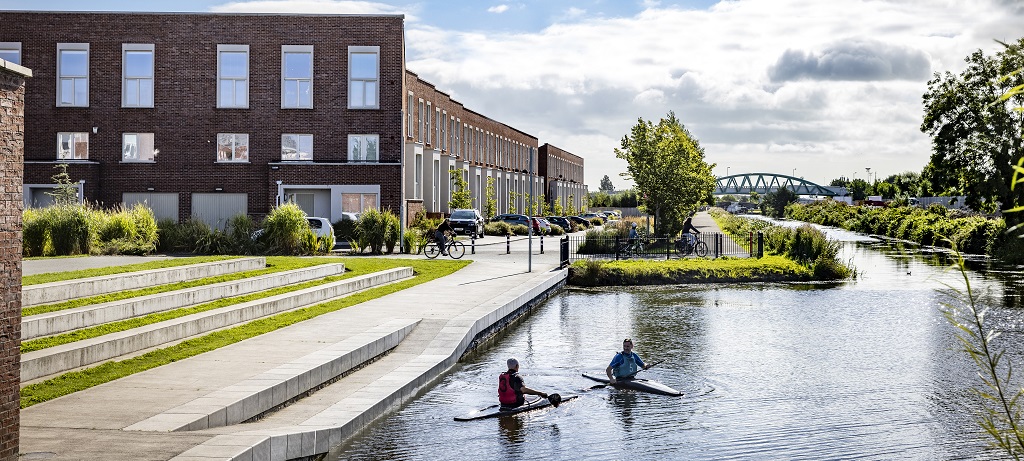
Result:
[{"x": 763, "y": 183}]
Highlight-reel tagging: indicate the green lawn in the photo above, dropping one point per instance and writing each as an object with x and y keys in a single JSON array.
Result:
[{"x": 70, "y": 275}]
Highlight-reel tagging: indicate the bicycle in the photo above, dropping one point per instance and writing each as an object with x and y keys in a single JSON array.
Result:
[
  {"x": 685, "y": 246},
  {"x": 629, "y": 249},
  {"x": 453, "y": 248}
]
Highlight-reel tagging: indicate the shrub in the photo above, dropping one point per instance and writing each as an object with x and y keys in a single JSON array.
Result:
[
  {"x": 519, "y": 229},
  {"x": 392, "y": 230},
  {"x": 284, "y": 229},
  {"x": 70, "y": 232},
  {"x": 345, "y": 229},
  {"x": 498, "y": 228},
  {"x": 35, "y": 228},
  {"x": 240, "y": 231},
  {"x": 370, "y": 231}
]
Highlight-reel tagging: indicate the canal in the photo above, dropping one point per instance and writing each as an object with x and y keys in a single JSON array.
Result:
[{"x": 866, "y": 369}]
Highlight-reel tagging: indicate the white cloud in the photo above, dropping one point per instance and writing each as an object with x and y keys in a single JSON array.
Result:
[
  {"x": 498, "y": 9},
  {"x": 581, "y": 84}
]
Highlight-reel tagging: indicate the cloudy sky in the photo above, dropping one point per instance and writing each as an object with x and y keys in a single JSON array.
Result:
[{"x": 828, "y": 87}]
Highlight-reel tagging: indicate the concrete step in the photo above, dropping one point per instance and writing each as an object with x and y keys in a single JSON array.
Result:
[
  {"x": 97, "y": 314},
  {"x": 62, "y": 358},
  {"x": 261, "y": 393},
  {"x": 55, "y": 292}
]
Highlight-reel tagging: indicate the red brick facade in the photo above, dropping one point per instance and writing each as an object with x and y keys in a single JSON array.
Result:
[
  {"x": 185, "y": 120},
  {"x": 563, "y": 173},
  {"x": 12, "y": 132}
]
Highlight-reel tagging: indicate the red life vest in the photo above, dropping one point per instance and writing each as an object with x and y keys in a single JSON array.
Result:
[{"x": 506, "y": 394}]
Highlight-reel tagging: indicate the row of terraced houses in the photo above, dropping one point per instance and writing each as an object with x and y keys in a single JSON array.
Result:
[{"x": 212, "y": 115}]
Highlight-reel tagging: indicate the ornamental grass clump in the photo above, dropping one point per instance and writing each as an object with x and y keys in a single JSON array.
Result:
[{"x": 284, "y": 230}]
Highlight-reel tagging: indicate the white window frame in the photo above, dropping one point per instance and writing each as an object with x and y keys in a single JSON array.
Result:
[
  {"x": 237, "y": 139},
  {"x": 426, "y": 136},
  {"x": 362, "y": 82},
  {"x": 298, "y": 136},
  {"x": 125, "y": 78},
  {"x": 361, "y": 157},
  {"x": 417, "y": 176},
  {"x": 443, "y": 122},
  {"x": 409, "y": 117},
  {"x": 74, "y": 79},
  {"x": 236, "y": 80},
  {"x": 71, "y": 154},
  {"x": 437, "y": 127},
  {"x": 297, "y": 81},
  {"x": 420, "y": 112},
  {"x": 138, "y": 153},
  {"x": 12, "y": 46}
]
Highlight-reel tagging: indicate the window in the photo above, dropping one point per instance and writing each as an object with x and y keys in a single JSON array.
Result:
[
  {"x": 73, "y": 146},
  {"x": 437, "y": 127},
  {"x": 296, "y": 76},
  {"x": 358, "y": 202},
  {"x": 233, "y": 76},
  {"x": 137, "y": 147},
  {"x": 137, "y": 75},
  {"x": 363, "y": 147},
  {"x": 419, "y": 131},
  {"x": 418, "y": 177},
  {"x": 363, "y": 72},
  {"x": 297, "y": 147},
  {"x": 428, "y": 114},
  {"x": 73, "y": 74},
  {"x": 232, "y": 147},
  {"x": 444, "y": 133},
  {"x": 11, "y": 52},
  {"x": 409, "y": 119}
]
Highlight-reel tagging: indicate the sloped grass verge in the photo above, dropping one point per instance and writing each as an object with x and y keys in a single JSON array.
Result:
[
  {"x": 722, "y": 270},
  {"x": 101, "y": 271},
  {"x": 274, "y": 264},
  {"x": 75, "y": 381}
]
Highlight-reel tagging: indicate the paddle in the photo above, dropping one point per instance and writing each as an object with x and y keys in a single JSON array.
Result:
[
  {"x": 599, "y": 386},
  {"x": 555, "y": 399}
]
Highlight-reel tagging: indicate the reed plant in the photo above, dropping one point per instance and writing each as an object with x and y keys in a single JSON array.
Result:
[{"x": 284, "y": 230}]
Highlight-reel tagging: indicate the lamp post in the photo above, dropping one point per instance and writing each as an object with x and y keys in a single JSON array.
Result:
[
  {"x": 794, "y": 173},
  {"x": 868, "y": 169},
  {"x": 727, "y": 171}
]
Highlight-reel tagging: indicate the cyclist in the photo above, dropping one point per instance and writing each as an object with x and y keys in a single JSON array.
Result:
[
  {"x": 440, "y": 235},
  {"x": 633, "y": 235},
  {"x": 690, "y": 231}
]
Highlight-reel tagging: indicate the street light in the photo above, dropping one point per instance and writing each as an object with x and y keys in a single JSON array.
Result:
[
  {"x": 794, "y": 173},
  {"x": 868, "y": 169},
  {"x": 727, "y": 171}
]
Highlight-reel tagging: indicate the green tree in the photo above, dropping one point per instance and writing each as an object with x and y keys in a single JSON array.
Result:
[
  {"x": 859, "y": 188},
  {"x": 666, "y": 163},
  {"x": 559, "y": 210},
  {"x": 600, "y": 199},
  {"x": 976, "y": 131},
  {"x": 460, "y": 196},
  {"x": 65, "y": 192},
  {"x": 570, "y": 206},
  {"x": 606, "y": 185},
  {"x": 513, "y": 199},
  {"x": 491, "y": 203},
  {"x": 543, "y": 207},
  {"x": 774, "y": 203}
]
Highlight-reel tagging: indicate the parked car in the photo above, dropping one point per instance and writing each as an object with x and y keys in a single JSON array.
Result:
[
  {"x": 512, "y": 219},
  {"x": 322, "y": 228},
  {"x": 562, "y": 222},
  {"x": 578, "y": 220},
  {"x": 467, "y": 221},
  {"x": 589, "y": 216},
  {"x": 541, "y": 225}
]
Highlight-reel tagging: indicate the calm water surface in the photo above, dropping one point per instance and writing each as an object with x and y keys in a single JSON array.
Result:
[{"x": 861, "y": 370}]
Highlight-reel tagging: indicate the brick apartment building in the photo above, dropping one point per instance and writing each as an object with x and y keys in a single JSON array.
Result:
[
  {"x": 212, "y": 115},
  {"x": 563, "y": 173},
  {"x": 12, "y": 107}
]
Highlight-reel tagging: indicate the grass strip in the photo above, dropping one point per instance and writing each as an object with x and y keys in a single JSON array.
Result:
[
  {"x": 726, "y": 269},
  {"x": 101, "y": 271},
  {"x": 362, "y": 266},
  {"x": 274, "y": 264},
  {"x": 75, "y": 381}
]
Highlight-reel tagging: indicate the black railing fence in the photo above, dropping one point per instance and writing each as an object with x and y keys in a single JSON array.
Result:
[{"x": 705, "y": 245}]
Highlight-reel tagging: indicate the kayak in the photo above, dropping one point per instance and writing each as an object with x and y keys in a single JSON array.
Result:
[
  {"x": 642, "y": 385},
  {"x": 495, "y": 411}
]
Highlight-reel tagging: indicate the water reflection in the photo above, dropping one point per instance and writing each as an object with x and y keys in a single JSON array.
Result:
[{"x": 863, "y": 369}]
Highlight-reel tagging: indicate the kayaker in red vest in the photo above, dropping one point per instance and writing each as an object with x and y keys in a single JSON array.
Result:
[
  {"x": 511, "y": 387},
  {"x": 625, "y": 363}
]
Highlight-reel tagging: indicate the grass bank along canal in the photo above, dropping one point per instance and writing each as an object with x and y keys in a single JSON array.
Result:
[{"x": 864, "y": 369}]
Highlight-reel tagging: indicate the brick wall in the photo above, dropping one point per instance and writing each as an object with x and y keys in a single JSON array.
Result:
[
  {"x": 12, "y": 107},
  {"x": 185, "y": 120}
]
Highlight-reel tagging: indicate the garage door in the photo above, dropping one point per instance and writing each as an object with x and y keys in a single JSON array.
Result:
[
  {"x": 216, "y": 209},
  {"x": 163, "y": 204}
]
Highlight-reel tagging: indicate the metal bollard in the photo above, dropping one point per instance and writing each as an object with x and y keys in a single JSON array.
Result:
[
  {"x": 472, "y": 244},
  {"x": 541, "y": 243},
  {"x": 508, "y": 244}
]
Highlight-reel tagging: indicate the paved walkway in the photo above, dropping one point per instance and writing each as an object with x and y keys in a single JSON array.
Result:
[{"x": 91, "y": 424}]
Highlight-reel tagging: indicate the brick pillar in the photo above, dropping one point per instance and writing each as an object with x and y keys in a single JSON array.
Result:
[{"x": 12, "y": 146}]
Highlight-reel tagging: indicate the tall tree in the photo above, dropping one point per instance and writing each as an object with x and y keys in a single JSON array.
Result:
[
  {"x": 667, "y": 165},
  {"x": 460, "y": 196},
  {"x": 491, "y": 203},
  {"x": 976, "y": 133},
  {"x": 606, "y": 184}
]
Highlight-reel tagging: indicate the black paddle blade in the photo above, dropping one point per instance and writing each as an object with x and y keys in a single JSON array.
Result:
[{"x": 555, "y": 399}]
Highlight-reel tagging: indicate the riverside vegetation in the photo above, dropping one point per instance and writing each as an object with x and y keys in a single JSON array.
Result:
[{"x": 801, "y": 254}]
